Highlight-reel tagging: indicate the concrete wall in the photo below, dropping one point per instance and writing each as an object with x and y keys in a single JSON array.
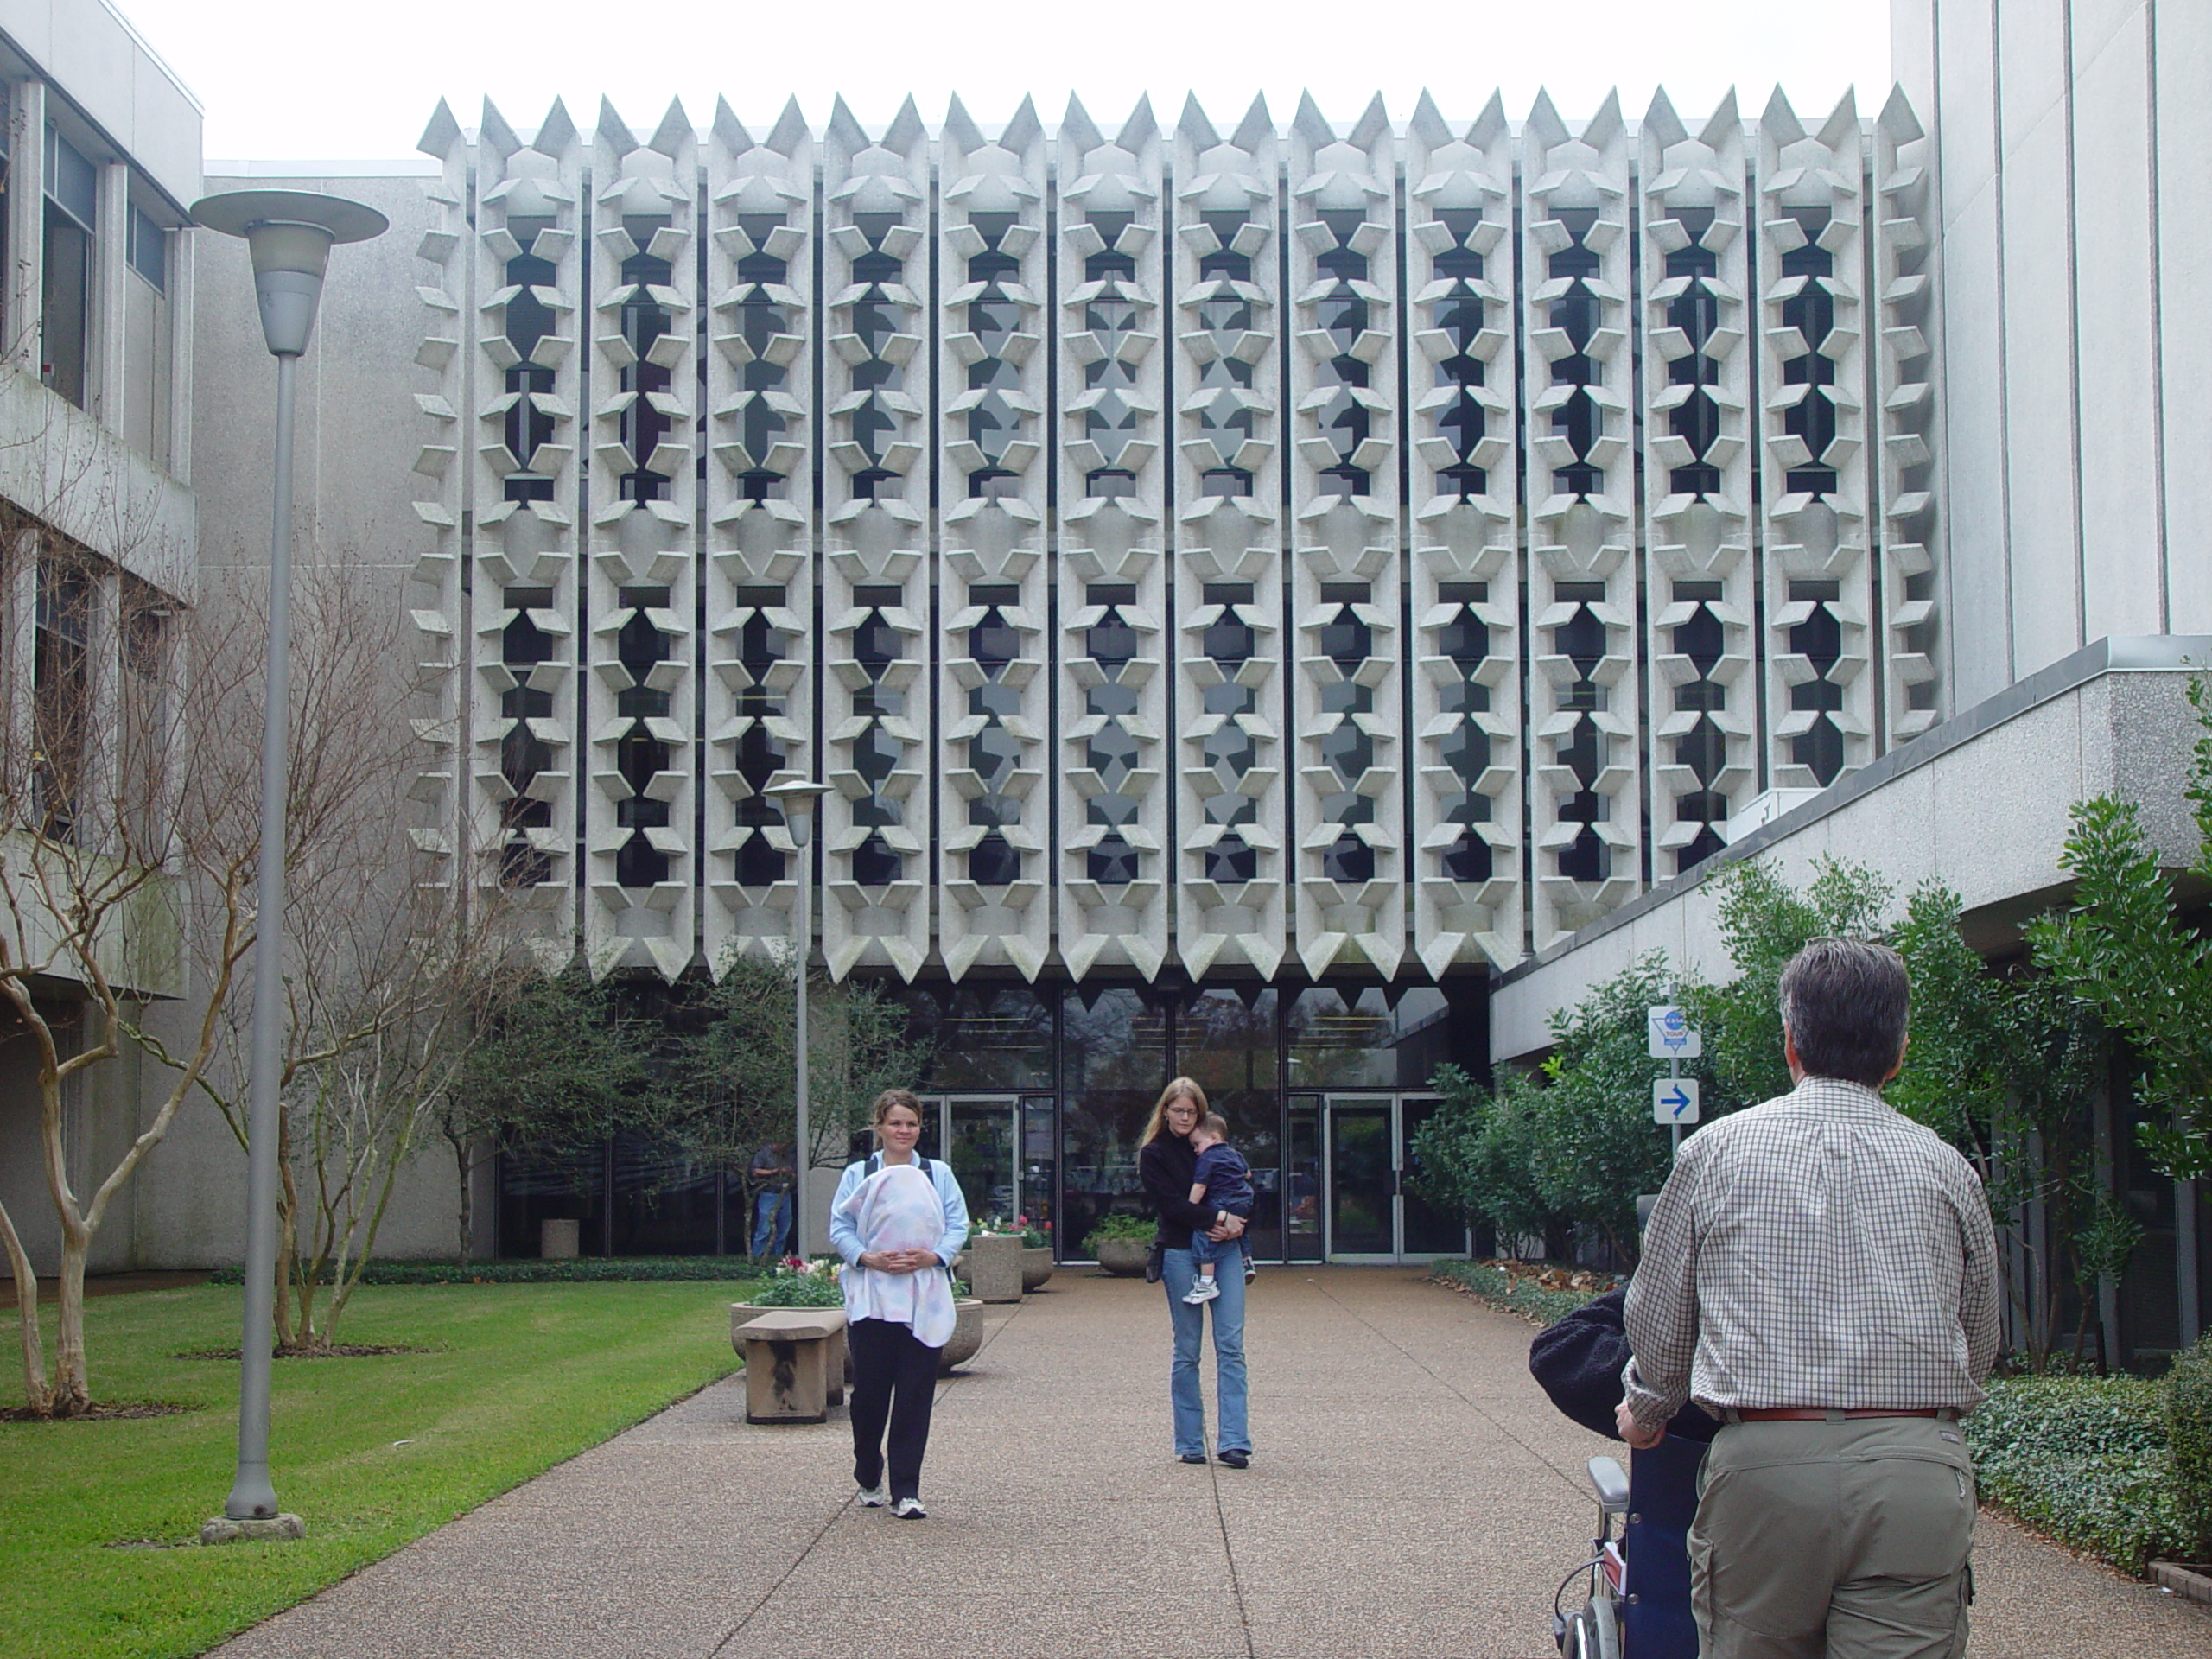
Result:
[
  {"x": 352, "y": 505},
  {"x": 1980, "y": 804},
  {"x": 91, "y": 52},
  {"x": 2074, "y": 222},
  {"x": 354, "y": 437}
]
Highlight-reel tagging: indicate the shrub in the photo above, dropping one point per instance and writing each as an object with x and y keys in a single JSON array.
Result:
[
  {"x": 799, "y": 1287},
  {"x": 1119, "y": 1227},
  {"x": 2086, "y": 1460},
  {"x": 2188, "y": 1435},
  {"x": 1512, "y": 1292}
]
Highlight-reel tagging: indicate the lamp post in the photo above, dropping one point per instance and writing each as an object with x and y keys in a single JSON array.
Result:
[
  {"x": 290, "y": 233},
  {"x": 796, "y": 797}
]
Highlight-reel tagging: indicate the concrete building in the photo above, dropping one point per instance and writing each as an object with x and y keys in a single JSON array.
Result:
[{"x": 1285, "y": 596}]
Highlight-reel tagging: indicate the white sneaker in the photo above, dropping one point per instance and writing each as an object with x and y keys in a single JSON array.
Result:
[
  {"x": 1204, "y": 1290},
  {"x": 908, "y": 1509},
  {"x": 874, "y": 1497}
]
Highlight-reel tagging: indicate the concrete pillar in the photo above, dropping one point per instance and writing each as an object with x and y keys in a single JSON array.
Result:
[{"x": 26, "y": 211}]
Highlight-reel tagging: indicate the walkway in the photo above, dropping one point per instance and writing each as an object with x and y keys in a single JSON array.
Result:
[{"x": 1413, "y": 1494}]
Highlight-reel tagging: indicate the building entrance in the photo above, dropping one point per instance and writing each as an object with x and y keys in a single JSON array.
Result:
[
  {"x": 1368, "y": 1212},
  {"x": 976, "y": 1135}
]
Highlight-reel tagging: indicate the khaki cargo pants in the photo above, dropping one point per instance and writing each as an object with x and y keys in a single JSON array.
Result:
[{"x": 1842, "y": 1539}]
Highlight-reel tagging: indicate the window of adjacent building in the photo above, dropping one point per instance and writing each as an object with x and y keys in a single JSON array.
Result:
[
  {"x": 148, "y": 249},
  {"x": 145, "y": 412},
  {"x": 65, "y": 319},
  {"x": 144, "y": 637},
  {"x": 61, "y": 693}
]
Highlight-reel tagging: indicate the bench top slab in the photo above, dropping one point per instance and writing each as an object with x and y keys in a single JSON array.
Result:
[{"x": 793, "y": 1324}]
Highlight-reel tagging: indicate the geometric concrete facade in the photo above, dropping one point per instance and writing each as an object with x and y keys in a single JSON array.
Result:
[{"x": 1238, "y": 548}]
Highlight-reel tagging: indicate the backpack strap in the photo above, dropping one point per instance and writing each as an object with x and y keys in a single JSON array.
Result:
[{"x": 875, "y": 1162}]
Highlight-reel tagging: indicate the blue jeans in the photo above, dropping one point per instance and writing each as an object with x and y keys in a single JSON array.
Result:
[
  {"x": 1203, "y": 1248},
  {"x": 1178, "y": 1271},
  {"x": 772, "y": 1223}
]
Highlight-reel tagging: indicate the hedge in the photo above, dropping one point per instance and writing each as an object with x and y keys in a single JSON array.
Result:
[
  {"x": 2085, "y": 1460},
  {"x": 576, "y": 1271},
  {"x": 1511, "y": 1292}
]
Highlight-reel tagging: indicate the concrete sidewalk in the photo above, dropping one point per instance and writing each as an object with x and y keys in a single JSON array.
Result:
[{"x": 1412, "y": 1493}]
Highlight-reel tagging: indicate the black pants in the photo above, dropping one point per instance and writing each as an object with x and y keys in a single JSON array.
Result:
[{"x": 894, "y": 1379}]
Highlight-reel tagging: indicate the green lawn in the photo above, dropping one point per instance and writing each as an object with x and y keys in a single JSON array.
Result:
[{"x": 371, "y": 1452}]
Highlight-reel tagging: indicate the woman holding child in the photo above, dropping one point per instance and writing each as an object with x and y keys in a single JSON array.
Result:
[{"x": 1167, "y": 1165}]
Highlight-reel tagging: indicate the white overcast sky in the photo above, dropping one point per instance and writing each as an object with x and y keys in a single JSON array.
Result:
[{"x": 281, "y": 79}]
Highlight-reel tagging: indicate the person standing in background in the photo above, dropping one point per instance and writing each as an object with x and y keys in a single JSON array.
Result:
[{"x": 771, "y": 1175}]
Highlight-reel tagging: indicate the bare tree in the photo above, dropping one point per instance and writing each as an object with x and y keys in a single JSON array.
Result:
[
  {"x": 105, "y": 843},
  {"x": 392, "y": 961}
]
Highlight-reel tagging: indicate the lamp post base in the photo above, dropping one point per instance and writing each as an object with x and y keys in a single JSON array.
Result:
[{"x": 225, "y": 1531}]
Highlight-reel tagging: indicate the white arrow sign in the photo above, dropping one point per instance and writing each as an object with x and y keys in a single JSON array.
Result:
[
  {"x": 1673, "y": 1099},
  {"x": 1670, "y": 1036}
]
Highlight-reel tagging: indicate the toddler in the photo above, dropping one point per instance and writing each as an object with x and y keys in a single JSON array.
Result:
[{"x": 1224, "y": 1182}]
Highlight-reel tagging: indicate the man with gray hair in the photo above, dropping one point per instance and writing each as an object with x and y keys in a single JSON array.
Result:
[{"x": 1820, "y": 1274}]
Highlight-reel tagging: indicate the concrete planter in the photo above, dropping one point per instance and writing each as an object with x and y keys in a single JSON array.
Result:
[
  {"x": 967, "y": 1335},
  {"x": 1123, "y": 1257},
  {"x": 994, "y": 1268},
  {"x": 840, "y": 1366},
  {"x": 1036, "y": 1265},
  {"x": 557, "y": 1241}
]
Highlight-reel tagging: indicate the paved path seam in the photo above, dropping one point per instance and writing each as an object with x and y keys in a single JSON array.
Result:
[
  {"x": 1574, "y": 1478},
  {"x": 945, "y": 1386}
]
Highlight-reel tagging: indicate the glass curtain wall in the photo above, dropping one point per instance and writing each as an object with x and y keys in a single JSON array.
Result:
[{"x": 1049, "y": 1088}]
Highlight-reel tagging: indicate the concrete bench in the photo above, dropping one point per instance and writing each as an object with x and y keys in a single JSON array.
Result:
[{"x": 788, "y": 1354}]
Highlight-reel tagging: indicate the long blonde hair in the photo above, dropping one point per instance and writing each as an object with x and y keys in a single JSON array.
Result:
[{"x": 1177, "y": 1088}]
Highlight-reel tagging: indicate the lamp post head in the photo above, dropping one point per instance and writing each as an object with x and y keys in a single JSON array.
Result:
[
  {"x": 290, "y": 233},
  {"x": 796, "y": 797}
]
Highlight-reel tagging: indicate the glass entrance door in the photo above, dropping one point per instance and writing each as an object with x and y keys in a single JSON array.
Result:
[
  {"x": 1362, "y": 1180},
  {"x": 1371, "y": 1214},
  {"x": 981, "y": 1142}
]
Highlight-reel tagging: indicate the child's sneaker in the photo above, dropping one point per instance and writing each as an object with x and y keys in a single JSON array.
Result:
[
  {"x": 1203, "y": 1290},
  {"x": 1251, "y": 1269}
]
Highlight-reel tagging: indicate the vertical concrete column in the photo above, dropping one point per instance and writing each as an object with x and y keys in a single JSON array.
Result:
[
  {"x": 182, "y": 243},
  {"x": 110, "y": 261},
  {"x": 26, "y": 225}
]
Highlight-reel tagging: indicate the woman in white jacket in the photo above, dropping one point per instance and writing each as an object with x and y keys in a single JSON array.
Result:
[{"x": 899, "y": 1219}]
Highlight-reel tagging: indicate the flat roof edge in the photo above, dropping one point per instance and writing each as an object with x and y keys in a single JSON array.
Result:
[{"x": 2114, "y": 654}]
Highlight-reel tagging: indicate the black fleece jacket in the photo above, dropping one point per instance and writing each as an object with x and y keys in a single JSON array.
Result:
[
  {"x": 1579, "y": 1361},
  {"x": 1165, "y": 1169}
]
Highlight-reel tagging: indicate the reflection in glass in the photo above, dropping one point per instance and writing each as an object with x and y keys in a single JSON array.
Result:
[
  {"x": 1117, "y": 1060},
  {"x": 1361, "y": 1180},
  {"x": 1369, "y": 1037},
  {"x": 982, "y": 1036},
  {"x": 1303, "y": 1195},
  {"x": 564, "y": 1184},
  {"x": 1428, "y": 1230},
  {"x": 981, "y": 1155},
  {"x": 665, "y": 1202}
]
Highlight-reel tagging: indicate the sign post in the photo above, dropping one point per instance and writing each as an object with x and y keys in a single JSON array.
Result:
[{"x": 1671, "y": 1037}]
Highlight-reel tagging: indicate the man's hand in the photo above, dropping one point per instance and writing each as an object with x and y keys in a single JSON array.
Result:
[{"x": 1639, "y": 1438}]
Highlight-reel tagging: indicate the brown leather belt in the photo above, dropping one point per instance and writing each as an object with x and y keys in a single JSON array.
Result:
[{"x": 1820, "y": 1414}]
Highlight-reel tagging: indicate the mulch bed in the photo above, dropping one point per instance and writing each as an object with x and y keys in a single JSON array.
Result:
[
  {"x": 341, "y": 1350},
  {"x": 119, "y": 1412}
]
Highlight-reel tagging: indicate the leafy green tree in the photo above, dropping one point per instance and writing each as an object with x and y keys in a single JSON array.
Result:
[
  {"x": 1475, "y": 1158},
  {"x": 1764, "y": 923},
  {"x": 1571, "y": 1147},
  {"x": 728, "y": 1068},
  {"x": 559, "y": 1063},
  {"x": 2126, "y": 948}
]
